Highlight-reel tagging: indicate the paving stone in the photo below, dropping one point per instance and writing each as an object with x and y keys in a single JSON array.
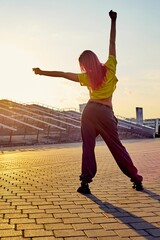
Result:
[
  {"x": 39, "y": 211},
  {"x": 6, "y": 226},
  {"x": 65, "y": 215},
  {"x": 14, "y": 238},
  {"x": 130, "y": 233},
  {"x": 37, "y": 232},
  {"x": 130, "y": 219},
  {"x": 27, "y": 206},
  {"x": 144, "y": 238},
  {"x": 68, "y": 233},
  {"x": 2, "y": 220},
  {"x": 40, "y": 215},
  {"x": 48, "y": 220},
  {"x": 90, "y": 215},
  {"x": 75, "y": 220},
  {"x": 154, "y": 232},
  {"x": 21, "y": 220},
  {"x": 86, "y": 226},
  {"x": 99, "y": 233},
  {"x": 28, "y": 226},
  {"x": 142, "y": 225},
  {"x": 39, "y": 199},
  {"x": 15, "y": 215},
  {"x": 46, "y": 238},
  {"x": 10, "y": 233},
  {"x": 80, "y": 210},
  {"x": 112, "y": 238},
  {"x": 103, "y": 220},
  {"x": 54, "y": 226},
  {"x": 78, "y": 238},
  {"x": 114, "y": 226}
]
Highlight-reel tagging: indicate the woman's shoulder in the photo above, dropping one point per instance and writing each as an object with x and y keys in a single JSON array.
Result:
[
  {"x": 111, "y": 63},
  {"x": 83, "y": 79}
]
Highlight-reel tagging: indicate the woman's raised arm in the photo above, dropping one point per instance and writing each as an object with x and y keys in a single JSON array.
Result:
[{"x": 112, "y": 41}]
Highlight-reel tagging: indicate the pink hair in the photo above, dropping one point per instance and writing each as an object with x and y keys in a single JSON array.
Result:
[{"x": 95, "y": 70}]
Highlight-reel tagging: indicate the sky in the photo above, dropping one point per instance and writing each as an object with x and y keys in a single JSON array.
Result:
[{"x": 51, "y": 35}]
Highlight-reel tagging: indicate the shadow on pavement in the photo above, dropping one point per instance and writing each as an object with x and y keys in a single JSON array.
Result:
[
  {"x": 143, "y": 228},
  {"x": 152, "y": 194}
]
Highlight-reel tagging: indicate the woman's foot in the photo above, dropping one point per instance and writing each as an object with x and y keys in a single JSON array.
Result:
[
  {"x": 138, "y": 186},
  {"x": 84, "y": 188}
]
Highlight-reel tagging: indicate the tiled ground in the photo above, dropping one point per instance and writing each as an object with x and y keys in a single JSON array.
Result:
[{"x": 38, "y": 198}]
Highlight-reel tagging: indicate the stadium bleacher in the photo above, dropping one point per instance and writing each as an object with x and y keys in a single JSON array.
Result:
[{"x": 28, "y": 124}]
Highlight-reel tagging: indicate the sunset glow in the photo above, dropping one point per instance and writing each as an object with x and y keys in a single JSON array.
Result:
[{"x": 52, "y": 37}]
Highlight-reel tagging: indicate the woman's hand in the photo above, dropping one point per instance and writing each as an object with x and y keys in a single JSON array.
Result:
[
  {"x": 113, "y": 15},
  {"x": 37, "y": 71}
]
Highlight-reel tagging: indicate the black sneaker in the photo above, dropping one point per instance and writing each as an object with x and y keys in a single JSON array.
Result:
[
  {"x": 138, "y": 186},
  {"x": 84, "y": 188}
]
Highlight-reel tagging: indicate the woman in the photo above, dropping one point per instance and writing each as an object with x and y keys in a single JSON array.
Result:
[{"x": 98, "y": 117}]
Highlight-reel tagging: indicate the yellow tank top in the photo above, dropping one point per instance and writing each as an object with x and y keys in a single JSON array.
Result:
[{"x": 109, "y": 84}]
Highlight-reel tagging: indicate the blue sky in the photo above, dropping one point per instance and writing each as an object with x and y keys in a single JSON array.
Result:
[{"x": 51, "y": 34}]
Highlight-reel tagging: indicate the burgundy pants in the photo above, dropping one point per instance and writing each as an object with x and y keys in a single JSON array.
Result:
[{"x": 99, "y": 119}]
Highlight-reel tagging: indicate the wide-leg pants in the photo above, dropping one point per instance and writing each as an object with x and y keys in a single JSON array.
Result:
[{"x": 99, "y": 119}]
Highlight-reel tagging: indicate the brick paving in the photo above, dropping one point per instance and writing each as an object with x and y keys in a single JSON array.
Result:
[{"x": 38, "y": 198}]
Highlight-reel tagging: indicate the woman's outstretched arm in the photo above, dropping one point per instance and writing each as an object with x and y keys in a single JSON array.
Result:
[
  {"x": 67, "y": 75},
  {"x": 112, "y": 41}
]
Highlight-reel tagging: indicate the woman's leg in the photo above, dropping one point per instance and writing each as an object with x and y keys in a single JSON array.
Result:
[
  {"x": 107, "y": 128},
  {"x": 89, "y": 134}
]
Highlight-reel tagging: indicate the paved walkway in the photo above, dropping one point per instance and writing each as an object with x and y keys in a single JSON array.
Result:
[{"x": 38, "y": 198}]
